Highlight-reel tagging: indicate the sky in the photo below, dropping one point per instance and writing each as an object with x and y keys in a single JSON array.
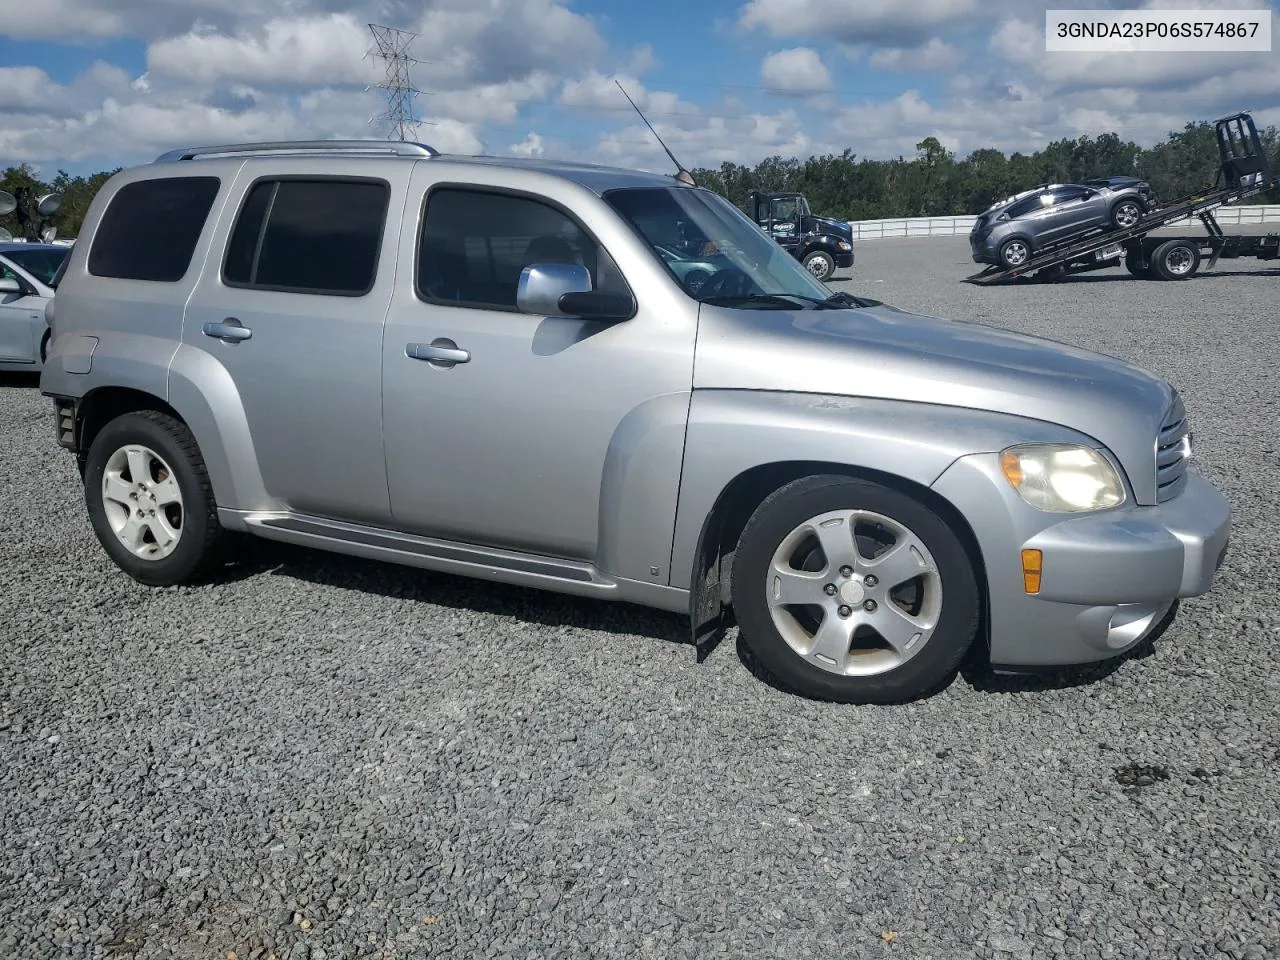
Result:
[{"x": 88, "y": 85}]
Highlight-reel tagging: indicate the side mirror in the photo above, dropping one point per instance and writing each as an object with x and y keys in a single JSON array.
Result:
[
  {"x": 8, "y": 285},
  {"x": 543, "y": 284}
]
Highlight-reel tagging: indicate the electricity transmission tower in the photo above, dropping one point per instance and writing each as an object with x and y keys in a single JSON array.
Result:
[{"x": 392, "y": 45}]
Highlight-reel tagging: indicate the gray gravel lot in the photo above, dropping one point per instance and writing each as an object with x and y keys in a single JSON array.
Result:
[{"x": 323, "y": 758}]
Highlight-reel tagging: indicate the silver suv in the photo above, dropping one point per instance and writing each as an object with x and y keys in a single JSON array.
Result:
[
  {"x": 1011, "y": 232},
  {"x": 487, "y": 367}
]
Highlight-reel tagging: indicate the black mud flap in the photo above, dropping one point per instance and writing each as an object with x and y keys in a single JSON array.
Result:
[{"x": 706, "y": 604}]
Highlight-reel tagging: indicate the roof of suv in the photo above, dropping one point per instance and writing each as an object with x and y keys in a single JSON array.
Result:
[{"x": 594, "y": 177}]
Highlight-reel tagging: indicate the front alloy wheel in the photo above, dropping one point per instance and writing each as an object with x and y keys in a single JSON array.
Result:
[
  {"x": 1126, "y": 214},
  {"x": 852, "y": 591}
]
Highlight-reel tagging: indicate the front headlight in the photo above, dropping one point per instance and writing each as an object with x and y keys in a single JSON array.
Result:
[
  {"x": 1062, "y": 477},
  {"x": 844, "y": 245}
]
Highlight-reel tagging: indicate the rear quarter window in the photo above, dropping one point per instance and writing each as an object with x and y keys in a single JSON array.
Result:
[{"x": 151, "y": 227}]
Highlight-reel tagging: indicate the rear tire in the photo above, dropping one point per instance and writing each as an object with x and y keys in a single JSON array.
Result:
[
  {"x": 1175, "y": 260},
  {"x": 812, "y": 609},
  {"x": 150, "y": 501},
  {"x": 1014, "y": 253}
]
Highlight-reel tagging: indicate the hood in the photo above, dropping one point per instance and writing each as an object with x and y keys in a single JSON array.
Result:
[
  {"x": 885, "y": 353},
  {"x": 839, "y": 228}
]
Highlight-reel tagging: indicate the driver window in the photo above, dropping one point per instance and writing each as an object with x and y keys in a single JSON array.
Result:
[
  {"x": 784, "y": 209},
  {"x": 474, "y": 243}
]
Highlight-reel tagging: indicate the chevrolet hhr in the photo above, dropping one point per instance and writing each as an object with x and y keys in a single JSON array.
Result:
[{"x": 484, "y": 366}]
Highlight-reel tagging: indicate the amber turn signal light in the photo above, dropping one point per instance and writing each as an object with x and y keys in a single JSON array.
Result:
[{"x": 1032, "y": 567}]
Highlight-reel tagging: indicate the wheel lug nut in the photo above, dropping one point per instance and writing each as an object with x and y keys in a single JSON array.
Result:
[
  {"x": 870, "y": 580},
  {"x": 831, "y": 589},
  {"x": 869, "y": 606},
  {"x": 846, "y": 611},
  {"x": 846, "y": 571}
]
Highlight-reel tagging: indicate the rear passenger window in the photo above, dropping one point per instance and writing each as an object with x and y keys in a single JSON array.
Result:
[
  {"x": 309, "y": 236},
  {"x": 151, "y": 227}
]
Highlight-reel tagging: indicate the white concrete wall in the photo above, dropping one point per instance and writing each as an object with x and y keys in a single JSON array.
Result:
[{"x": 960, "y": 226}]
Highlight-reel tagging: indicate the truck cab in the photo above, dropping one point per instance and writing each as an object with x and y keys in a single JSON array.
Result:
[{"x": 820, "y": 243}]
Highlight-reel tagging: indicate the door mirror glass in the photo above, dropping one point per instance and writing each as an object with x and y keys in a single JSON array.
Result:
[
  {"x": 542, "y": 285},
  {"x": 8, "y": 285}
]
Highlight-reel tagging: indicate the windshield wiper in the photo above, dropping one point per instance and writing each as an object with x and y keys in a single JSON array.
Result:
[{"x": 836, "y": 301}]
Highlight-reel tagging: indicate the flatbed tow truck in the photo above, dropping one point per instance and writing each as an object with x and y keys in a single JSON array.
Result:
[{"x": 1244, "y": 172}]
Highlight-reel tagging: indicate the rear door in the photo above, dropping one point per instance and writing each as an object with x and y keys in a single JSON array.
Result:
[{"x": 290, "y": 307}]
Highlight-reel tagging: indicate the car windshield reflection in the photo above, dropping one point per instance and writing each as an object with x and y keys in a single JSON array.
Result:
[{"x": 717, "y": 253}]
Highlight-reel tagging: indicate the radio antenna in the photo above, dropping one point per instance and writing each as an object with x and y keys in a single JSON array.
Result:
[{"x": 684, "y": 176}]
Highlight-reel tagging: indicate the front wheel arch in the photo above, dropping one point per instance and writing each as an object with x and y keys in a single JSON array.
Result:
[{"x": 710, "y": 589}]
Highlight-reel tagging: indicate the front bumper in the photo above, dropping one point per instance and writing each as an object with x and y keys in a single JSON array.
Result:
[
  {"x": 843, "y": 258},
  {"x": 1108, "y": 577}
]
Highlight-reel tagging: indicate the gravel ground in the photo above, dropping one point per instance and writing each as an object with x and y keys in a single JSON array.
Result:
[{"x": 322, "y": 758}]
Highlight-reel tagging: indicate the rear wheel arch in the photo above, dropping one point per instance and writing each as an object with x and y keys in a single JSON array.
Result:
[
  {"x": 711, "y": 583},
  {"x": 101, "y": 405}
]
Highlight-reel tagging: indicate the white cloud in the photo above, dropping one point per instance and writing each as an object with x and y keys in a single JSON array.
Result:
[
  {"x": 934, "y": 55},
  {"x": 596, "y": 91},
  {"x": 890, "y": 21},
  {"x": 299, "y": 51},
  {"x": 798, "y": 70},
  {"x": 531, "y": 146}
]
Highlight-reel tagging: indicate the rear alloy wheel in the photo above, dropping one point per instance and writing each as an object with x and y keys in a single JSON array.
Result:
[
  {"x": 820, "y": 264},
  {"x": 1126, "y": 214},
  {"x": 1015, "y": 252},
  {"x": 1175, "y": 260},
  {"x": 150, "y": 501},
  {"x": 850, "y": 591}
]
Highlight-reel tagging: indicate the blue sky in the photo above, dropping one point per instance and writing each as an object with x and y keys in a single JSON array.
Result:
[{"x": 90, "y": 84}]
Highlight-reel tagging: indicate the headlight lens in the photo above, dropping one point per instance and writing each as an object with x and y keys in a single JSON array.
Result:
[
  {"x": 844, "y": 245},
  {"x": 1062, "y": 477}
]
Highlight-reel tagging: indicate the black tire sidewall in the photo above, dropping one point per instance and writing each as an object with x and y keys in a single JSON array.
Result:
[
  {"x": 160, "y": 436},
  {"x": 1161, "y": 255},
  {"x": 925, "y": 672}
]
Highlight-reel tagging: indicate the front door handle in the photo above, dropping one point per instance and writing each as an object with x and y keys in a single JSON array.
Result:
[
  {"x": 441, "y": 352},
  {"x": 229, "y": 330}
]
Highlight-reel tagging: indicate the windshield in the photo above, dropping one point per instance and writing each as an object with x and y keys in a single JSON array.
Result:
[
  {"x": 715, "y": 251},
  {"x": 42, "y": 263}
]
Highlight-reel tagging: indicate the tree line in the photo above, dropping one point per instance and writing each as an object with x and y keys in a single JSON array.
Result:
[{"x": 933, "y": 183}]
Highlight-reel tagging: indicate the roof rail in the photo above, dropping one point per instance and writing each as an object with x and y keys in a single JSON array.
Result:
[{"x": 399, "y": 148}]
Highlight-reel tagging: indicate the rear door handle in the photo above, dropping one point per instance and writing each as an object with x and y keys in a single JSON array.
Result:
[
  {"x": 229, "y": 330},
  {"x": 439, "y": 352}
]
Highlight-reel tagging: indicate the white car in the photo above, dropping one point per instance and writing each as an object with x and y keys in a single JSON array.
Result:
[{"x": 28, "y": 273}]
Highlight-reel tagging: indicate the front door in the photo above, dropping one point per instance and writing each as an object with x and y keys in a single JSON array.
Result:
[
  {"x": 20, "y": 314},
  {"x": 296, "y": 322},
  {"x": 784, "y": 223},
  {"x": 508, "y": 446}
]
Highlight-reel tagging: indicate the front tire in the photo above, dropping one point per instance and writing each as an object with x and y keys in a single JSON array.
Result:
[
  {"x": 850, "y": 591},
  {"x": 820, "y": 264},
  {"x": 1126, "y": 214},
  {"x": 150, "y": 501}
]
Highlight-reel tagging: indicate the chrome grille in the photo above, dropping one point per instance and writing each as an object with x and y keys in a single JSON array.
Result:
[{"x": 1172, "y": 450}]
